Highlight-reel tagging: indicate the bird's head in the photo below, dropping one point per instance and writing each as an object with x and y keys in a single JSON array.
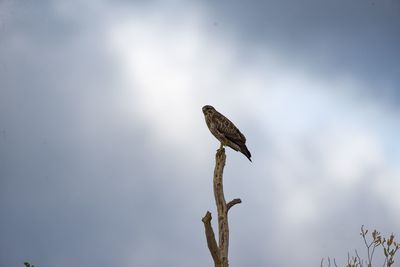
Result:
[{"x": 208, "y": 109}]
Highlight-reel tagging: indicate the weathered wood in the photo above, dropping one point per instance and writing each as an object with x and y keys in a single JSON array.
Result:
[
  {"x": 219, "y": 252},
  {"x": 212, "y": 244},
  {"x": 233, "y": 202},
  {"x": 223, "y": 227}
]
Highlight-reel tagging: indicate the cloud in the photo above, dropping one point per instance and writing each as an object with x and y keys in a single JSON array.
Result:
[
  {"x": 357, "y": 38},
  {"x": 321, "y": 139},
  {"x": 107, "y": 160}
]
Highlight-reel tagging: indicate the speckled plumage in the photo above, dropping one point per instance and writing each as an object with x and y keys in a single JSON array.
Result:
[{"x": 225, "y": 131}]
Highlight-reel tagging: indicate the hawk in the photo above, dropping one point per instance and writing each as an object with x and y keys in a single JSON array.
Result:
[{"x": 225, "y": 131}]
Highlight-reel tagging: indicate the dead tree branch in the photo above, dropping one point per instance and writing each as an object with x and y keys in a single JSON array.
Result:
[
  {"x": 212, "y": 244},
  {"x": 219, "y": 252}
]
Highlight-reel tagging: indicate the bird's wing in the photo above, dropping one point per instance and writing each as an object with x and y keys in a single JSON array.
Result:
[
  {"x": 216, "y": 131},
  {"x": 236, "y": 137},
  {"x": 227, "y": 129},
  {"x": 231, "y": 132}
]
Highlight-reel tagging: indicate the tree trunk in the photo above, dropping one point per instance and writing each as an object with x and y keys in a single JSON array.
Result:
[{"x": 219, "y": 252}]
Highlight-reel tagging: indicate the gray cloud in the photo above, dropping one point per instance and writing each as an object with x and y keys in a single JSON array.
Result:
[{"x": 358, "y": 38}]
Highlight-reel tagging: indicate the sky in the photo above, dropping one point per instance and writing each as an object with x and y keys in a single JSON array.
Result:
[{"x": 105, "y": 158}]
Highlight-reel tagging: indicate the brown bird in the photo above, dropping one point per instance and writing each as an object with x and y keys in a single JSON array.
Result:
[{"x": 225, "y": 131}]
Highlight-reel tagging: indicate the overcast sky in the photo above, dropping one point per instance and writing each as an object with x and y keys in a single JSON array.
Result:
[{"x": 105, "y": 158}]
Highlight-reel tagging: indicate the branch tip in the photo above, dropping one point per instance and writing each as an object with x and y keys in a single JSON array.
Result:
[
  {"x": 207, "y": 217},
  {"x": 233, "y": 202}
]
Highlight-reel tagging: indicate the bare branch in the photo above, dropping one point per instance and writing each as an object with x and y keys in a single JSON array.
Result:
[
  {"x": 364, "y": 233},
  {"x": 223, "y": 228},
  {"x": 211, "y": 242},
  {"x": 219, "y": 252},
  {"x": 233, "y": 203}
]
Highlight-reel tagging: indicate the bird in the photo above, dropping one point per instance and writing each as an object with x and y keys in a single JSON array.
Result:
[{"x": 225, "y": 131}]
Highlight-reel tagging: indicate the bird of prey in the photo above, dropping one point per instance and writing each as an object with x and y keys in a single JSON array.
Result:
[{"x": 225, "y": 131}]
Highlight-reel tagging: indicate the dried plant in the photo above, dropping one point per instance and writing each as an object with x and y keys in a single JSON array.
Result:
[{"x": 389, "y": 247}]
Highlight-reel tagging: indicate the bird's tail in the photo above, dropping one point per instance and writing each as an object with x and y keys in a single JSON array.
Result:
[{"x": 245, "y": 151}]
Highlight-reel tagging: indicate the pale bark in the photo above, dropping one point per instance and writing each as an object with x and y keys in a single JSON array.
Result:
[{"x": 219, "y": 252}]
